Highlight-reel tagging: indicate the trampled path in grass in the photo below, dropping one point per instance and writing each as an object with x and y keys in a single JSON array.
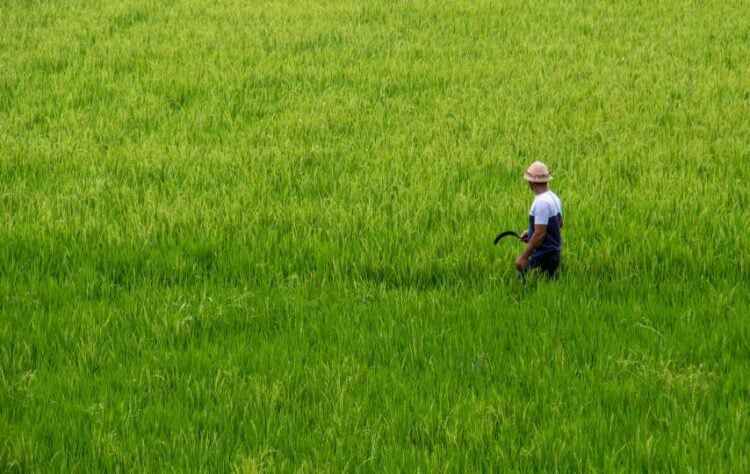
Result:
[{"x": 258, "y": 236}]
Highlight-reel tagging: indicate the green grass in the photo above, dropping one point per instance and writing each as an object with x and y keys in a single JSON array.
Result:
[{"x": 248, "y": 236}]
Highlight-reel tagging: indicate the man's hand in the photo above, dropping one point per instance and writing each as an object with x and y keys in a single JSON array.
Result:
[
  {"x": 525, "y": 235},
  {"x": 540, "y": 231}
]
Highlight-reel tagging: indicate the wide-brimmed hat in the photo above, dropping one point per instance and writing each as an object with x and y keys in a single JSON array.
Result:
[{"x": 537, "y": 173}]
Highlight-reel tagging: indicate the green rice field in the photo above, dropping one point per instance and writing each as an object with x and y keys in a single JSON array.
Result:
[{"x": 256, "y": 236}]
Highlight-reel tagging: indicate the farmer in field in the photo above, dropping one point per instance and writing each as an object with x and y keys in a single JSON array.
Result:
[{"x": 543, "y": 237}]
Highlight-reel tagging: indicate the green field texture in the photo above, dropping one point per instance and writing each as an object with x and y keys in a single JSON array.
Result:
[{"x": 257, "y": 236}]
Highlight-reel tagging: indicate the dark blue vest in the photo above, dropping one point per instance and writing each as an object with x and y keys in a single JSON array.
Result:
[{"x": 552, "y": 241}]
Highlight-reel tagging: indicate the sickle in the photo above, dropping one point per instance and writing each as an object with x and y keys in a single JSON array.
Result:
[{"x": 506, "y": 234}]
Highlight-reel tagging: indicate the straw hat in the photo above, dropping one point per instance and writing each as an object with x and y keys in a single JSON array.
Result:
[{"x": 537, "y": 173}]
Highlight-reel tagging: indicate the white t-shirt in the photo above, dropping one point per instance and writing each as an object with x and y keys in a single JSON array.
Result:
[
  {"x": 545, "y": 205},
  {"x": 546, "y": 210}
]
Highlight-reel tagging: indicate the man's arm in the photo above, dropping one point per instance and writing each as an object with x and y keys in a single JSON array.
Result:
[{"x": 540, "y": 231}]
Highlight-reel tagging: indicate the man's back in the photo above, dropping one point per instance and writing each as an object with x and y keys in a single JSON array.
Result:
[{"x": 546, "y": 210}]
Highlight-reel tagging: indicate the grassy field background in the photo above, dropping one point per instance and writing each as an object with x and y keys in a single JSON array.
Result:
[{"x": 249, "y": 235}]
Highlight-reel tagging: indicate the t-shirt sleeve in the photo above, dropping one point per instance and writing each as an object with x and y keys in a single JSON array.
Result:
[{"x": 542, "y": 212}]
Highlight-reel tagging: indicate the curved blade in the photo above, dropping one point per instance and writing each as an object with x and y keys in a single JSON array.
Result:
[{"x": 507, "y": 233}]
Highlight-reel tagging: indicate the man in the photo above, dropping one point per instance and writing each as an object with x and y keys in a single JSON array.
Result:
[{"x": 544, "y": 242}]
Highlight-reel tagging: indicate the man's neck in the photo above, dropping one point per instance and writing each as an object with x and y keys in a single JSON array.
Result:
[{"x": 539, "y": 189}]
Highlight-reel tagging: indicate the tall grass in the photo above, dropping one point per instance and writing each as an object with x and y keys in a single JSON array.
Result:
[{"x": 257, "y": 235}]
